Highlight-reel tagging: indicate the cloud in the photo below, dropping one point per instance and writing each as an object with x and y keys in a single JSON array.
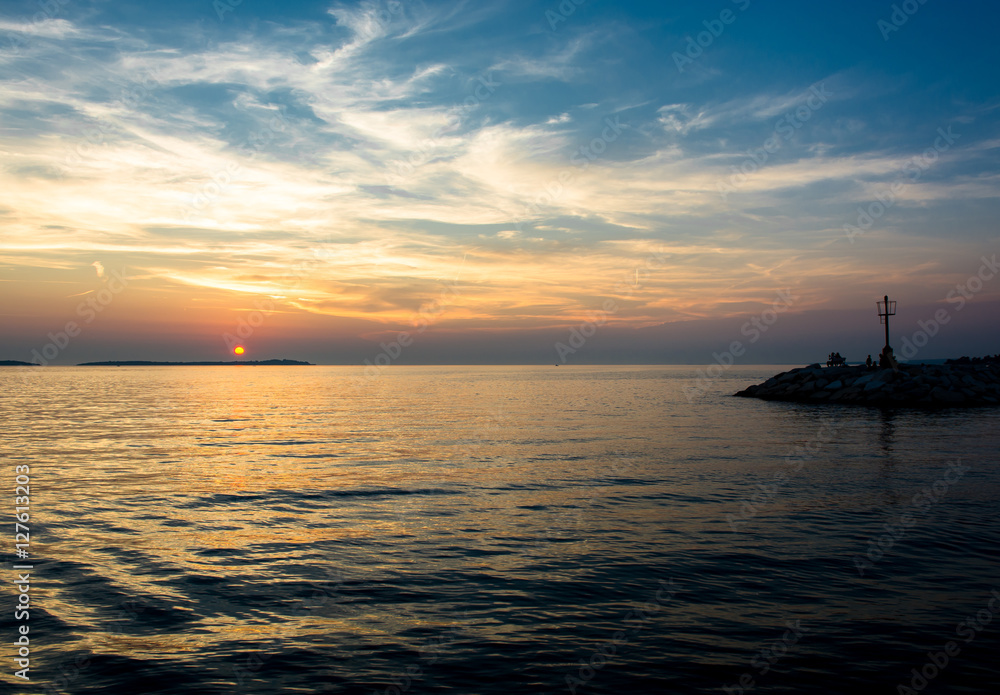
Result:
[
  {"x": 336, "y": 160},
  {"x": 562, "y": 63},
  {"x": 48, "y": 28}
]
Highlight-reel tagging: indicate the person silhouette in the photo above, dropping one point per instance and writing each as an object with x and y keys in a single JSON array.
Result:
[{"x": 868, "y": 362}]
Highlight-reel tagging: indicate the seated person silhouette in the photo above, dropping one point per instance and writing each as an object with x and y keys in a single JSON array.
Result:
[{"x": 887, "y": 360}]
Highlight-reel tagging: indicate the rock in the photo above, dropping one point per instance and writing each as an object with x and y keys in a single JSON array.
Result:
[
  {"x": 865, "y": 379},
  {"x": 874, "y": 385},
  {"x": 942, "y": 395},
  {"x": 916, "y": 385}
]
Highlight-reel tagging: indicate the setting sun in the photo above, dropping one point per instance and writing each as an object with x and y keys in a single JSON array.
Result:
[{"x": 239, "y": 350}]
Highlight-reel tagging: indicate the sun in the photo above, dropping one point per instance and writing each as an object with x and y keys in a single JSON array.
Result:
[{"x": 239, "y": 350}]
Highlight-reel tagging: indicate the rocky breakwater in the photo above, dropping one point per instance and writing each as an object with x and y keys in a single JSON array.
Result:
[{"x": 912, "y": 385}]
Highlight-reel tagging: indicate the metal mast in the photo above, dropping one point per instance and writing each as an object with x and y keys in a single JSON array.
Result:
[{"x": 885, "y": 310}]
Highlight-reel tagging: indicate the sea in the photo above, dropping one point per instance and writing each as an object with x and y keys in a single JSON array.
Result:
[{"x": 489, "y": 529}]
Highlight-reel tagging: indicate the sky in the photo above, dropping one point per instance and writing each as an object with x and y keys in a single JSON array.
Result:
[{"x": 510, "y": 182}]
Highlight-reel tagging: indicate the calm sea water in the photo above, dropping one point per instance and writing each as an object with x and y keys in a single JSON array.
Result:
[{"x": 493, "y": 529}]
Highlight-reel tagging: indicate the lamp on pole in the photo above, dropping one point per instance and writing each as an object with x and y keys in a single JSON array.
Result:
[{"x": 885, "y": 310}]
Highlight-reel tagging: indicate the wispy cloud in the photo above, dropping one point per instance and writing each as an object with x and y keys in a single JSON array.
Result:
[{"x": 219, "y": 164}]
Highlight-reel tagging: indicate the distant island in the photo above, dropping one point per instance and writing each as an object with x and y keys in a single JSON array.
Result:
[
  {"x": 988, "y": 359},
  {"x": 145, "y": 363},
  {"x": 17, "y": 363}
]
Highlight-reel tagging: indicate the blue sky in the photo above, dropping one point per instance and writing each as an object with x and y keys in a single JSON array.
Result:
[{"x": 501, "y": 168}]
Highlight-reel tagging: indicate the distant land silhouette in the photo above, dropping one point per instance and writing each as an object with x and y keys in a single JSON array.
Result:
[
  {"x": 988, "y": 359},
  {"x": 17, "y": 363},
  {"x": 145, "y": 363}
]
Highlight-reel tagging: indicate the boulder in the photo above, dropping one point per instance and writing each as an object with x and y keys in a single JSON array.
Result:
[
  {"x": 912, "y": 385},
  {"x": 942, "y": 395},
  {"x": 865, "y": 379}
]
